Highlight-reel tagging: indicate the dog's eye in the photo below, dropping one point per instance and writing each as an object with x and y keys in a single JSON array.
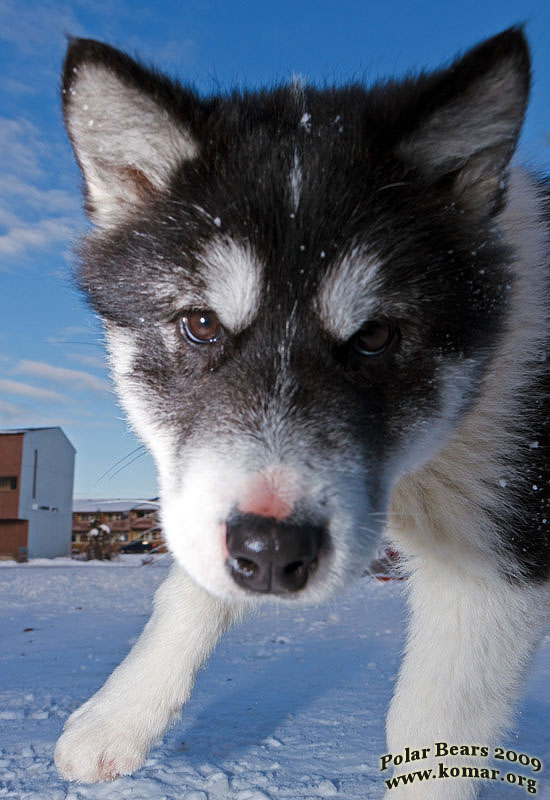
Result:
[
  {"x": 200, "y": 327},
  {"x": 374, "y": 338}
]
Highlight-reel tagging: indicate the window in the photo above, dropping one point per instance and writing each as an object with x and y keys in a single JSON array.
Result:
[{"x": 8, "y": 484}]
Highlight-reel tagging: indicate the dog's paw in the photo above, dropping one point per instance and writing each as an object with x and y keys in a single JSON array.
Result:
[{"x": 99, "y": 744}]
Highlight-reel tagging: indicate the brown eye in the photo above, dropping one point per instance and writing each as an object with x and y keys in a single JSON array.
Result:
[
  {"x": 201, "y": 327},
  {"x": 374, "y": 338}
]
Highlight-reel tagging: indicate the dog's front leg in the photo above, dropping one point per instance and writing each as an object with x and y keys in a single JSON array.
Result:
[
  {"x": 470, "y": 638},
  {"x": 111, "y": 734}
]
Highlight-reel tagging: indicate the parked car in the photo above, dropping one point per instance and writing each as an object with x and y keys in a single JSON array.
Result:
[{"x": 139, "y": 546}]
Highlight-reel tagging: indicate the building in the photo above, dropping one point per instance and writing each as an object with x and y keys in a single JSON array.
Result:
[
  {"x": 132, "y": 520},
  {"x": 36, "y": 493}
]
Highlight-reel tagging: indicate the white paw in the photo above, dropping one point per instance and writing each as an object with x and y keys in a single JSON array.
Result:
[{"x": 101, "y": 742}]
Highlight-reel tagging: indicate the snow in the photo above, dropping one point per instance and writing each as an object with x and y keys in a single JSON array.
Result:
[{"x": 291, "y": 706}]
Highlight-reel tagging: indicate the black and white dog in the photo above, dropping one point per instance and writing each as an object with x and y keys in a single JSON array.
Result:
[{"x": 327, "y": 317}]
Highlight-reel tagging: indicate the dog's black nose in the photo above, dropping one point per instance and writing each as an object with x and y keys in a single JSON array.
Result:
[{"x": 266, "y": 555}]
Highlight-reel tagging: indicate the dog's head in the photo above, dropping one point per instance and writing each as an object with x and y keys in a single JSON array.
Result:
[{"x": 301, "y": 290}]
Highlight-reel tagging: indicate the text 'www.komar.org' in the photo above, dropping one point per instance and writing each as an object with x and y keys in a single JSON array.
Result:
[{"x": 467, "y": 772}]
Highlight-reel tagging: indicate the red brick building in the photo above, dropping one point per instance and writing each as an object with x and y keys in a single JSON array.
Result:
[
  {"x": 133, "y": 520},
  {"x": 36, "y": 488}
]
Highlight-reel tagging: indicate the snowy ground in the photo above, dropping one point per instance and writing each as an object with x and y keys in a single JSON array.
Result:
[{"x": 291, "y": 706}]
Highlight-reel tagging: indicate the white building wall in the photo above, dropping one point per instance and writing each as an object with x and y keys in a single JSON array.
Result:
[{"x": 46, "y": 494}]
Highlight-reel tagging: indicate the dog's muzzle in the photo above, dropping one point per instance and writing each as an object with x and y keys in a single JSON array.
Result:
[{"x": 271, "y": 556}]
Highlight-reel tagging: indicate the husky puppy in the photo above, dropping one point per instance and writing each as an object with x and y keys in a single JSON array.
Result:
[{"x": 327, "y": 317}]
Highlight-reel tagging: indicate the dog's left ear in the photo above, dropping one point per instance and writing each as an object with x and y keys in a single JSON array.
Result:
[
  {"x": 471, "y": 116},
  {"x": 129, "y": 127}
]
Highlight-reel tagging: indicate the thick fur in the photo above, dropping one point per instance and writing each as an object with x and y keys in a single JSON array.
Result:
[{"x": 301, "y": 218}]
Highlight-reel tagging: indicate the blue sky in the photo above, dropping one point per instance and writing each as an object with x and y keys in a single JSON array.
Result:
[{"x": 51, "y": 355}]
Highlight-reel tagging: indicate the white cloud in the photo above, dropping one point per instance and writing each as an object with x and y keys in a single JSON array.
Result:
[
  {"x": 32, "y": 217},
  {"x": 77, "y": 379},
  {"x": 77, "y": 330},
  {"x": 181, "y": 52},
  {"x": 90, "y": 361},
  {"x": 17, "y": 87},
  {"x": 23, "y": 236},
  {"x": 35, "y": 214},
  {"x": 90, "y": 334},
  {"x": 10, "y": 411},
  {"x": 19, "y": 416},
  {"x": 26, "y": 390},
  {"x": 21, "y": 147},
  {"x": 32, "y": 25},
  {"x": 54, "y": 200}
]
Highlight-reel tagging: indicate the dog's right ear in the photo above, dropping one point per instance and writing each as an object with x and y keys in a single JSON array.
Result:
[
  {"x": 126, "y": 126},
  {"x": 467, "y": 119}
]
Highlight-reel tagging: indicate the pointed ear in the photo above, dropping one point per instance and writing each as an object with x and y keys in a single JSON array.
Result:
[
  {"x": 470, "y": 119},
  {"x": 126, "y": 126}
]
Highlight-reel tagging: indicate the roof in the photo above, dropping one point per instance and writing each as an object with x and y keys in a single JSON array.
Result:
[
  {"x": 28, "y": 430},
  {"x": 89, "y": 506},
  {"x": 20, "y": 431}
]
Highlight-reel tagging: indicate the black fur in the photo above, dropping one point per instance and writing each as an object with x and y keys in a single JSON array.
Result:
[
  {"x": 439, "y": 254},
  {"x": 373, "y": 274}
]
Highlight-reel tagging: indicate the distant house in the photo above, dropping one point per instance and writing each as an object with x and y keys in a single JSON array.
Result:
[
  {"x": 36, "y": 492},
  {"x": 132, "y": 520}
]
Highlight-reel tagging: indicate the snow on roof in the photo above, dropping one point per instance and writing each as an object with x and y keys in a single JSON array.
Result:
[{"x": 89, "y": 506}]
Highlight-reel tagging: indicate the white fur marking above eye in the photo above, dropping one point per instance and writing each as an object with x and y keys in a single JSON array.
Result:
[
  {"x": 234, "y": 279},
  {"x": 347, "y": 296}
]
